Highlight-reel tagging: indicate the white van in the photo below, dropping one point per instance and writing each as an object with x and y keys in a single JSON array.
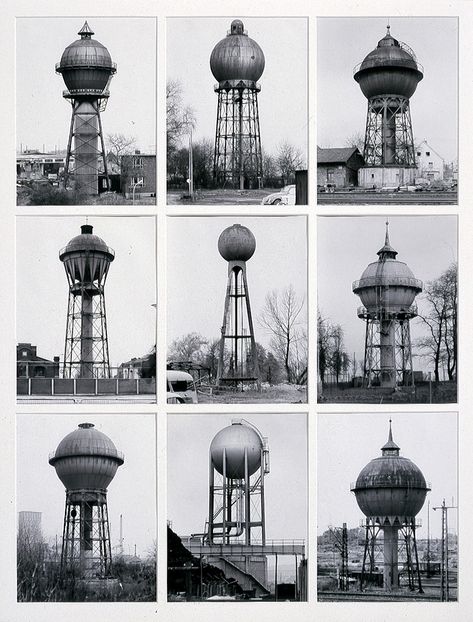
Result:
[{"x": 181, "y": 387}]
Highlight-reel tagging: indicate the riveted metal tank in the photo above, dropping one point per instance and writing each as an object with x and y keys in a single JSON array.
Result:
[
  {"x": 236, "y": 243},
  {"x": 237, "y": 57},
  {"x": 387, "y": 283},
  {"x": 86, "y": 459},
  {"x": 235, "y": 439},
  {"x": 86, "y": 257},
  {"x": 390, "y": 485},
  {"x": 390, "y": 69},
  {"x": 86, "y": 64}
]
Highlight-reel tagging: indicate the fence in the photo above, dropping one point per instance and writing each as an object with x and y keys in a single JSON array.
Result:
[{"x": 85, "y": 386}]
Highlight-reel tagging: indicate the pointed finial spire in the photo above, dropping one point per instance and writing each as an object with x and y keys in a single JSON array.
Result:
[
  {"x": 387, "y": 252},
  {"x": 390, "y": 448},
  {"x": 386, "y": 239},
  {"x": 86, "y": 31}
]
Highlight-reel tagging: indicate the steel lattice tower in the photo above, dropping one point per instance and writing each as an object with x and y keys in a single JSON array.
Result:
[
  {"x": 238, "y": 361},
  {"x": 388, "y": 77},
  {"x": 86, "y": 461},
  {"x": 387, "y": 289},
  {"x": 87, "y": 68},
  {"x": 86, "y": 261},
  {"x": 237, "y": 62}
]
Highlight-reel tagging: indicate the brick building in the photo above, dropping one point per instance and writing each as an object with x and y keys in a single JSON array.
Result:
[
  {"x": 138, "y": 171},
  {"x": 30, "y": 365},
  {"x": 339, "y": 166}
]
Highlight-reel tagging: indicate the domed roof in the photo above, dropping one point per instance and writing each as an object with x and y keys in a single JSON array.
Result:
[
  {"x": 387, "y": 270},
  {"x": 237, "y": 57},
  {"x": 389, "y": 51},
  {"x": 85, "y": 52},
  {"x": 87, "y": 241},
  {"x": 86, "y": 441},
  {"x": 235, "y": 439},
  {"x": 236, "y": 243}
]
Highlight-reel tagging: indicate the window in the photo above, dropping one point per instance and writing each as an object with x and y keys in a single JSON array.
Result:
[
  {"x": 330, "y": 173},
  {"x": 137, "y": 162},
  {"x": 419, "y": 153},
  {"x": 24, "y": 353},
  {"x": 427, "y": 153},
  {"x": 137, "y": 181}
]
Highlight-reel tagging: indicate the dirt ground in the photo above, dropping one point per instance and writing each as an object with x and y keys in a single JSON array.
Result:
[
  {"x": 220, "y": 197},
  {"x": 276, "y": 394}
]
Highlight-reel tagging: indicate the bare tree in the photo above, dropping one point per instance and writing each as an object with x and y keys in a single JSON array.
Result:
[
  {"x": 119, "y": 145},
  {"x": 440, "y": 316},
  {"x": 187, "y": 348},
  {"x": 288, "y": 160},
  {"x": 179, "y": 118},
  {"x": 331, "y": 353},
  {"x": 357, "y": 139},
  {"x": 281, "y": 318}
]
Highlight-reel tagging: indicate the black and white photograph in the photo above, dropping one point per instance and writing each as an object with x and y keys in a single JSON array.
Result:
[
  {"x": 86, "y": 506},
  {"x": 387, "y": 309},
  {"x": 86, "y": 309},
  {"x": 388, "y": 507},
  {"x": 230, "y": 85},
  {"x": 242, "y": 335},
  {"x": 387, "y": 110},
  {"x": 237, "y": 511},
  {"x": 86, "y": 111}
]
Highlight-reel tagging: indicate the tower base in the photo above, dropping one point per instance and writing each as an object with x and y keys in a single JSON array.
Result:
[{"x": 386, "y": 176}]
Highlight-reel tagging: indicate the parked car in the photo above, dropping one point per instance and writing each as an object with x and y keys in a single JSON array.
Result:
[
  {"x": 286, "y": 196},
  {"x": 180, "y": 388}
]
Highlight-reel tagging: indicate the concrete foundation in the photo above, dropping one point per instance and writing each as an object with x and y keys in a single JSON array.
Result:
[{"x": 383, "y": 176}]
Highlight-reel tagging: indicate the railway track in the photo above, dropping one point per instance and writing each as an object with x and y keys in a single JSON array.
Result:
[{"x": 369, "y": 198}]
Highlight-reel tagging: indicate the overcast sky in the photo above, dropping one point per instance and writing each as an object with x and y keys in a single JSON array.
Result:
[
  {"x": 347, "y": 442},
  {"x": 42, "y": 289},
  {"x": 190, "y": 42},
  {"x": 346, "y": 245},
  {"x": 285, "y": 485},
  {"x": 131, "y": 493},
  {"x": 197, "y": 273},
  {"x": 43, "y": 115},
  {"x": 342, "y": 43}
]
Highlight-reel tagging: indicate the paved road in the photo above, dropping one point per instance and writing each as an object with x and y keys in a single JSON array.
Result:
[{"x": 378, "y": 198}]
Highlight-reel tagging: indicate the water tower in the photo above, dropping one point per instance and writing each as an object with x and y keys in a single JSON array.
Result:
[
  {"x": 86, "y": 261},
  {"x": 86, "y": 461},
  {"x": 86, "y": 68},
  {"x": 390, "y": 491},
  {"x": 388, "y": 77},
  {"x": 387, "y": 289},
  {"x": 237, "y": 63},
  {"x": 238, "y": 464},
  {"x": 237, "y": 361}
]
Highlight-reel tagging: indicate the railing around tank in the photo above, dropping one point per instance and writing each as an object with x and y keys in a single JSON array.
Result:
[
  {"x": 85, "y": 64},
  {"x": 377, "y": 62},
  {"x": 93, "y": 451},
  {"x": 90, "y": 251},
  {"x": 387, "y": 281},
  {"x": 396, "y": 482},
  {"x": 383, "y": 312}
]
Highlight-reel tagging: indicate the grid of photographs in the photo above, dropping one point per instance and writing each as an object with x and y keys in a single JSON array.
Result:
[{"x": 234, "y": 298}]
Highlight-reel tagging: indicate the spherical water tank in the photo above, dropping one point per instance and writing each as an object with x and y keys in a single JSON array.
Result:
[
  {"x": 86, "y": 459},
  {"x": 237, "y": 57},
  {"x": 390, "y": 69},
  {"x": 235, "y": 439},
  {"x": 236, "y": 243},
  {"x": 86, "y": 64},
  {"x": 390, "y": 485}
]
